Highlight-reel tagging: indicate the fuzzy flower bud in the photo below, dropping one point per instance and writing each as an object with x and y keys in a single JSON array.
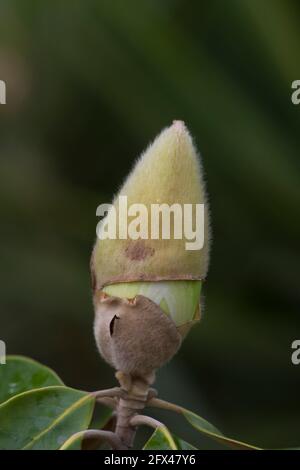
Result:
[{"x": 149, "y": 271}]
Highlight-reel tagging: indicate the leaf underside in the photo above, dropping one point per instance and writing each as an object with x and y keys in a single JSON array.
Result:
[{"x": 21, "y": 374}]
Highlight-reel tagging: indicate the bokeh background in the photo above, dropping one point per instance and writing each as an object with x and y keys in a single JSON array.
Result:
[{"x": 89, "y": 84}]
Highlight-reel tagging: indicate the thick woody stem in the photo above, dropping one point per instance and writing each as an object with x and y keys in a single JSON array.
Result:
[
  {"x": 135, "y": 392},
  {"x": 128, "y": 401}
]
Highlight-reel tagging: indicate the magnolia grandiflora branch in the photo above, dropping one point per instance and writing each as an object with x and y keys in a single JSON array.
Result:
[
  {"x": 112, "y": 401},
  {"x": 133, "y": 395}
]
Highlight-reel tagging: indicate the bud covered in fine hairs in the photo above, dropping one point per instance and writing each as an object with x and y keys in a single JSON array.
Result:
[{"x": 147, "y": 290}]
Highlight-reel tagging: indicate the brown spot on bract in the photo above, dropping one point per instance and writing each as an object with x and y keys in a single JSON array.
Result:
[
  {"x": 138, "y": 250},
  {"x": 103, "y": 296}
]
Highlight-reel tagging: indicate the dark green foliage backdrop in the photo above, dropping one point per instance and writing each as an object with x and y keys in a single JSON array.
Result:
[{"x": 89, "y": 84}]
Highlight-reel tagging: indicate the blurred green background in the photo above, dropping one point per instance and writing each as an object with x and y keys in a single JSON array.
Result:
[{"x": 89, "y": 84}]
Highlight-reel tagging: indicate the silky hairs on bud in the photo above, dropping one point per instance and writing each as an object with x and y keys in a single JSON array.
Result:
[
  {"x": 168, "y": 172},
  {"x": 146, "y": 291}
]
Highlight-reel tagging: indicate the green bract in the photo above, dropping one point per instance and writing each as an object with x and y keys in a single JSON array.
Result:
[{"x": 178, "y": 299}]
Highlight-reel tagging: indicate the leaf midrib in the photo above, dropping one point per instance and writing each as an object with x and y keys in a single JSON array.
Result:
[{"x": 57, "y": 420}]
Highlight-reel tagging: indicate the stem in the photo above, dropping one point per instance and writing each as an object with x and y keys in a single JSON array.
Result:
[
  {"x": 142, "y": 420},
  {"x": 110, "y": 392},
  {"x": 110, "y": 437},
  {"x": 134, "y": 397},
  {"x": 128, "y": 401},
  {"x": 108, "y": 401}
]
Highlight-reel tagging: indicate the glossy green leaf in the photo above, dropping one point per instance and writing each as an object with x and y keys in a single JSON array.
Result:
[
  {"x": 211, "y": 431},
  {"x": 183, "y": 445},
  {"x": 21, "y": 374},
  {"x": 161, "y": 439},
  {"x": 205, "y": 427},
  {"x": 74, "y": 442},
  {"x": 44, "y": 418}
]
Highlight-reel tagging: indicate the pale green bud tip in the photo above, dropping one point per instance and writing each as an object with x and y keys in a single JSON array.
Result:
[{"x": 169, "y": 172}]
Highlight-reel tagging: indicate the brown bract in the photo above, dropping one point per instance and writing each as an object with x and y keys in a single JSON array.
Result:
[
  {"x": 134, "y": 336},
  {"x": 138, "y": 250}
]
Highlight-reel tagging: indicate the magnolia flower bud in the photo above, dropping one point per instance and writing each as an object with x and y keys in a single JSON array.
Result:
[
  {"x": 147, "y": 287},
  {"x": 128, "y": 335}
]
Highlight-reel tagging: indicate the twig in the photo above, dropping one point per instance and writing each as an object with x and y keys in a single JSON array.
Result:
[
  {"x": 110, "y": 392},
  {"x": 142, "y": 420},
  {"x": 135, "y": 392},
  {"x": 108, "y": 401},
  {"x": 165, "y": 405},
  {"x": 110, "y": 437},
  {"x": 128, "y": 400}
]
